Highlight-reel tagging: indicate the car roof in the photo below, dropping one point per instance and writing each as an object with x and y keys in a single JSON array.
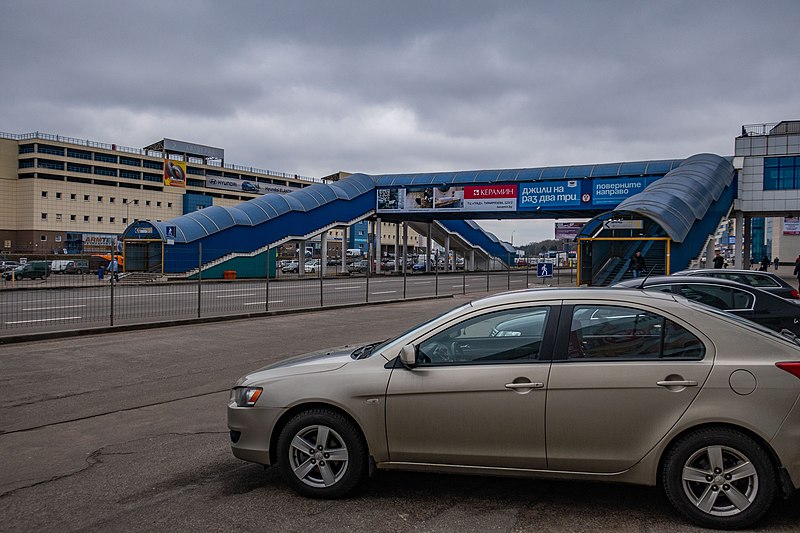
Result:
[
  {"x": 728, "y": 271},
  {"x": 697, "y": 280},
  {"x": 563, "y": 293}
]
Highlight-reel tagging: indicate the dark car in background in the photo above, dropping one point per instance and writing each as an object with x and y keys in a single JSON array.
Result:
[
  {"x": 8, "y": 265},
  {"x": 748, "y": 302},
  {"x": 77, "y": 266},
  {"x": 358, "y": 267},
  {"x": 765, "y": 281},
  {"x": 30, "y": 270}
]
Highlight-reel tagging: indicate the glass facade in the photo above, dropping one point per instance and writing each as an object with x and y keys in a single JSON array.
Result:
[{"x": 781, "y": 173}]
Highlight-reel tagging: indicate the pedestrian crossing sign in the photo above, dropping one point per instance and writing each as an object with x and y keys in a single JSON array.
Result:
[{"x": 544, "y": 270}]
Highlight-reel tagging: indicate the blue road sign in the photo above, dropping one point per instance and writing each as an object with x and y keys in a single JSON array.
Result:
[{"x": 544, "y": 270}]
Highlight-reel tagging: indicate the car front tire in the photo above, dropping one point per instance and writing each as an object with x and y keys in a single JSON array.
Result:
[
  {"x": 321, "y": 454},
  {"x": 719, "y": 478}
]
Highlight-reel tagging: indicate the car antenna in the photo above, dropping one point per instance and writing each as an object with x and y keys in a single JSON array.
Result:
[{"x": 641, "y": 285}]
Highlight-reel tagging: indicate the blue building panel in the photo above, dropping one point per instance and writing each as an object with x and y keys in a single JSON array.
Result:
[{"x": 192, "y": 202}]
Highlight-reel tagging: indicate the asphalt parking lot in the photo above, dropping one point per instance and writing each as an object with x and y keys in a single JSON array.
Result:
[{"x": 127, "y": 432}]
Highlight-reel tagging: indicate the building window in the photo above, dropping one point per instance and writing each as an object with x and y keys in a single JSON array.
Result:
[
  {"x": 124, "y": 200},
  {"x": 112, "y": 220},
  {"x": 136, "y": 202},
  {"x": 72, "y": 217},
  {"x": 52, "y": 150},
  {"x": 58, "y": 196},
  {"x": 86, "y": 218},
  {"x": 169, "y": 204},
  {"x": 124, "y": 220},
  {"x": 42, "y": 238},
  {"x": 147, "y": 202},
  {"x": 78, "y": 154},
  {"x": 58, "y": 216},
  {"x": 85, "y": 197},
  {"x": 44, "y": 194},
  {"x": 111, "y": 199},
  {"x": 44, "y": 216},
  {"x": 73, "y": 196},
  {"x": 781, "y": 173},
  {"x": 100, "y": 219},
  {"x": 158, "y": 204},
  {"x": 99, "y": 198}
]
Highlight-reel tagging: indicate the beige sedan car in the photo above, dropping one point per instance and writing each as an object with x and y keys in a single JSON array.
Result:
[{"x": 595, "y": 384}]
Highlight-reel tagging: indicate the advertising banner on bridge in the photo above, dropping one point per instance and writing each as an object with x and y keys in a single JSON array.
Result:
[
  {"x": 613, "y": 191},
  {"x": 550, "y": 194},
  {"x": 453, "y": 198},
  {"x": 233, "y": 184}
]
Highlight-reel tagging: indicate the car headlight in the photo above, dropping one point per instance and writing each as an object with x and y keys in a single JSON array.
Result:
[{"x": 246, "y": 396}]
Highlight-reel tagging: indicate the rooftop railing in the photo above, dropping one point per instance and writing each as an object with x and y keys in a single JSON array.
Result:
[
  {"x": 771, "y": 128},
  {"x": 149, "y": 153}
]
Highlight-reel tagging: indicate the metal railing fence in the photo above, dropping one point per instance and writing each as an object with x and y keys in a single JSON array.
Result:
[{"x": 66, "y": 299}]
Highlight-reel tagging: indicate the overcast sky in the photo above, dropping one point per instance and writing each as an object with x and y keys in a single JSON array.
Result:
[{"x": 391, "y": 87}]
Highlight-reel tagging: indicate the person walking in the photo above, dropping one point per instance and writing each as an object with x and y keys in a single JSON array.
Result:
[
  {"x": 776, "y": 263},
  {"x": 765, "y": 262},
  {"x": 113, "y": 269},
  {"x": 719, "y": 261},
  {"x": 637, "y": 264},
  {"x": 797, "y": 270}
]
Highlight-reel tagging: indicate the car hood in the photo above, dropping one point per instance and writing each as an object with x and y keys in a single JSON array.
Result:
[{"x": 309, "y": 363}]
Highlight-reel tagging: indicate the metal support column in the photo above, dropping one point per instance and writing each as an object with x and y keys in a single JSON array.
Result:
[
  {"x": 323, "y": 253},
  {"x": 429, "y": 249},
  {"x": 397, "y": 247},
  {"x": 450, "y": 264}
]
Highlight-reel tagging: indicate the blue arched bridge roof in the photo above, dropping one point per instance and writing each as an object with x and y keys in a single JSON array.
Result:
[
  {"x": 604, "y": 170},
  {"x": 684, "y": 195},
  {"x": 214, "y": 219}
]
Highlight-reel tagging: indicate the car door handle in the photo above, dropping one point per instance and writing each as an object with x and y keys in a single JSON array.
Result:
[
  {"x": 676, "y": 383},
  {"x": 526, "y": 385}
]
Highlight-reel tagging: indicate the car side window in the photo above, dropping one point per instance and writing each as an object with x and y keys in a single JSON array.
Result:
[
  {"x": 762, "y": 281},
  {"x": 622, "y": 333},
  {"x": 660, "y": 288},
  {"x": 496, "y": 337},
  {"x": 724, "y": 298}
]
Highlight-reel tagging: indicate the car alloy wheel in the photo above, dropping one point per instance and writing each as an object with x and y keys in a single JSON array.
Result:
[
  {"x": 321, "y": 454},
  {"x": 719, "y": 478}
]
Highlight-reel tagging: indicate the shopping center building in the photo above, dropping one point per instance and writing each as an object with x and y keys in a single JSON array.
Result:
[{"x": 61, "y": 195}]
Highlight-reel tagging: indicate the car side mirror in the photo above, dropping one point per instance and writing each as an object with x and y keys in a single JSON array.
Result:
[{"x": 408, "y": 356}]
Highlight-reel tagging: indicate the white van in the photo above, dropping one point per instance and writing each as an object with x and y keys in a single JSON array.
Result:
[
  {"x": 59, "y": 266},
  {"x": 353, "y": 252}
]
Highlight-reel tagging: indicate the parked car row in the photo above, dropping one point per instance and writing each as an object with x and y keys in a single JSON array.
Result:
[{"x": 41, "y": 269}]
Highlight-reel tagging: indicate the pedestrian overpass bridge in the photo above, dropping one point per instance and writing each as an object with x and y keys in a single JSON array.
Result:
[{"x": 672, "y": 207}]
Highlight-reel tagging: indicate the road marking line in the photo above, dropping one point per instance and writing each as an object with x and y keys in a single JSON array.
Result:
[
  {"x": 347, "y": 287},
  {"x": 56, "y": 307},
  {"x": 237, "y": 295},
  {"x": 383, "y": 292},
  {"x": 44, "y": 320},
  {"x": 262, "y": 303}
]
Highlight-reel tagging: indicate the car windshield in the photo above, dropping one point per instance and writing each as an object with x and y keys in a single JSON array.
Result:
[{"x": 379, "y": 347}]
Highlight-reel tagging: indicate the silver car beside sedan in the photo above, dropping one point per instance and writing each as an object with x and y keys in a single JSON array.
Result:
[{"x": 594, "y": 384}]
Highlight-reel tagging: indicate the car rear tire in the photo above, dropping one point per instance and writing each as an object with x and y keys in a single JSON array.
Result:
[
  {"x": 719, "y": 478},
  {"x": 321, "y": 454}
]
